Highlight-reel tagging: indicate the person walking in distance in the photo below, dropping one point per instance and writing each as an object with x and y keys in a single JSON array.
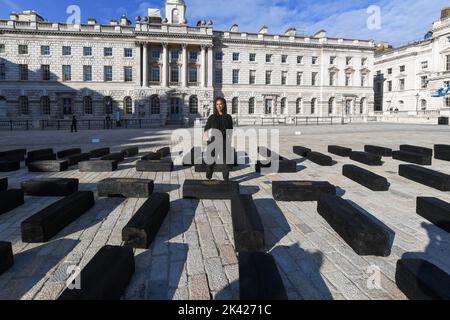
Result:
[
  {"x": 73, "y": 126},
  {"x": 222, "y": 121}
]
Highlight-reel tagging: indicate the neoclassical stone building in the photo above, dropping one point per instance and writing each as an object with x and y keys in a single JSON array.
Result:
[
  {"x": 165, "y": 70},
  {"x": 406, "y": 77}
]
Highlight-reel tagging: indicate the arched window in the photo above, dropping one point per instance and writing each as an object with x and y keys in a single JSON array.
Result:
[
  {"x": 23, "y": 105},
  {"x": 331, "y": 105},
  {"x": 298, "y": 106},
  {"x": 45, "y": 105},
  {"x": 87, "y": 105},
  {"x": 234, "y": 106},
  {"x": 313, "y": 105},
  {"x": 108, "y": 102},
  {"x": 155, "y": 105},
  {"x": 423, "y": 104},
  {"x": 283, "y": 106},
  {"x": 193, "y": 105},
  {"x": 128, "y": 105},
  {"x": 362, "y": 105},
  {"x": 251, "y": 106}
]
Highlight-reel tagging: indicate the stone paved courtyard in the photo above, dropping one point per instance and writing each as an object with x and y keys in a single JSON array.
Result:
[{"x": 193, "y": 255}]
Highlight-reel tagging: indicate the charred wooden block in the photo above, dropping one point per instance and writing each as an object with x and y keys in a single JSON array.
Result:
[
  {"x": 6, "y": 256},
  {"x": 97, "y": 153},
  {"x": 366, "y": 158},
  {"x": 284, "y": 166},
  {"x": 380, "y": 151},
  {"x": 43, "y": 157},
  {"x": 434, "y": 210},
  {"x": 105, "y": 277},
  {"x": 97, "y": 166},
  {"x": 411, "y": 157},
  {"x": 50, "y": 187},
  {"x": 13, "y": 155},
  {"x": 428, "y": 177},
  {"x": 117, "y": 156},
  {"x": 11, "y": 199},
  {"x": 259, "y": 278},
  {"x": 68, "y": 152},
  {"x": 40, "y": 152},
  {"x": 77, "y": 158},
  {"x": 361, "y": 231},
  {"x": 8, "y": 166},
  {"x": 319, "y": 158},
  {"x": 151, "y": 156},
  {"x": 248, "y": 229},
  {"x": 154, "y": 166},
  {"x": 48, "y": 166},
  {"x": 45, "y": 224},
  {"x": 416, "y": 149},
  {"x": 130, "y": 152},
  {"x": 301, "y": 190},
  {"x": 421, "y": 280},
  {"x": 217, "y": 167},
  {"x": 442, "y": 147},
  {"x": 210, "y": 189},
  {"x": 340, "y": 151},
  {"x": 3, "y": 184},
  {"x": 301, "y": 151},
  {"x": 164, "y": 152},
  {"x": 125, "y": 187},
  {"x": 366, "y": 178},
  {"x": 442, "y": 155},
  {"x": 141, "y": 230}
]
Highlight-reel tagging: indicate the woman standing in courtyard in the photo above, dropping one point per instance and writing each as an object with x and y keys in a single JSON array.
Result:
[{"x": 222, "y": 121}]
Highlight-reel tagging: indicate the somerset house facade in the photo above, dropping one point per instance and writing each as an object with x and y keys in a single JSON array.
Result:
[{"x": 161, "y": 68}]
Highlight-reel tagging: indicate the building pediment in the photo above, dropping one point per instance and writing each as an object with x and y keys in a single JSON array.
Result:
[
  {"x": 349, "y": 70},
  {"x": 365, "y": 70}
]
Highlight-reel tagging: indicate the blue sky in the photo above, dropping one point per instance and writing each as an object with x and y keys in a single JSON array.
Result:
[{"x": 401, "y": 21}]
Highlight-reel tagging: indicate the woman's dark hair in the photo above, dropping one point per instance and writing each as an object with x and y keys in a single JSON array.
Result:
[{"x": 224, "y": 104}]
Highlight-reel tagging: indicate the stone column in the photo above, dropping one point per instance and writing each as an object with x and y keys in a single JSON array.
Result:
[
  {"x": 145, "y": 66},
  {"x": 203, "y": 68},
  {"x": 184, "y": 66},
  {"x": 165, "y": 66},
  {"x": 210, "y": 64},
  {"x": 138, "y": 64}
]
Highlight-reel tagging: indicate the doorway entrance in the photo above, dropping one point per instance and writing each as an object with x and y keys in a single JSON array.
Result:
[{"x": 175, "y": 109}]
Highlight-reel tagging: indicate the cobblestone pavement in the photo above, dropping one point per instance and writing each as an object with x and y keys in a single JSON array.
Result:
[{"x": 193, "y": 255}]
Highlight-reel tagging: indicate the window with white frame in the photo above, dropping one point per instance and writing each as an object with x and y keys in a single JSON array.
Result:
[
  {"x": 268, "y": 58},
  {"x": 299, "y": 78},
  {"x": 128, "y": 52},
  {"x": 235, "y": 56},
  {"x": 128, "y": 73},
  {"x": 332, "y": 60},
  {"x": 45, "y": 50},
  {"x": 424, "y": 64},
  {"x": 128, "y": 105},
  {"x": 448, "y": 63},
  {"x": 87, "y": 51},
  {"x": 284, "y": 77},
  {"x": 252, "y": 57},
  {"x": 2, "y": 48},
  {"x": 87, "y": 73},
  {"x": 108, "y": 52},
  {"x": 314, "y": 79},
  {"x": 192, "y": 73},
  {"x": 299, "y": 59},
  {"x": 23, "y": 72},
  {"x": 235, "y": 76},
  {"x": 193, "y": 105},
  {"x": 268, "y": 77},
  {"x": 235, "y": 105},
  {"x": 218, "y": 74},
  {"x": 45, "y": 105},
  {"x": 174, "y": 73},
  {"x": 175, "y": 55},
  {"x": 402, "y": 84},
  {"x": 424, "y": 82},
  {"x": 314, "y": 60},
  {"x": 193, "y": 56},
  {"x": 251, "y": 106},
  {"x": 332, "y": 78},
  {"x": 252, "y": 77},
  {"x": 284, "y": 58},
  {"x": 45, "y": 72},
  {"x": 24, "y": 105},
  {"x": 23, "y": 49},
  {"x": 156, "y": 54},
  {"x": 298, "y": 106},
  {"x": 87, "y": 105},
  {"x": 107, "y": 73},
  {"x": 155, "y": 105},
  {"x": 66, "y": 51},
  {"x": 155, "y": 74},
  {"x": 218, "y": 55}
]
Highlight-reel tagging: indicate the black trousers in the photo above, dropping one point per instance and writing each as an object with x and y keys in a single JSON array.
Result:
[
  {"x": 220, "y": 160},
  {"x": 73, "y": 127}
]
